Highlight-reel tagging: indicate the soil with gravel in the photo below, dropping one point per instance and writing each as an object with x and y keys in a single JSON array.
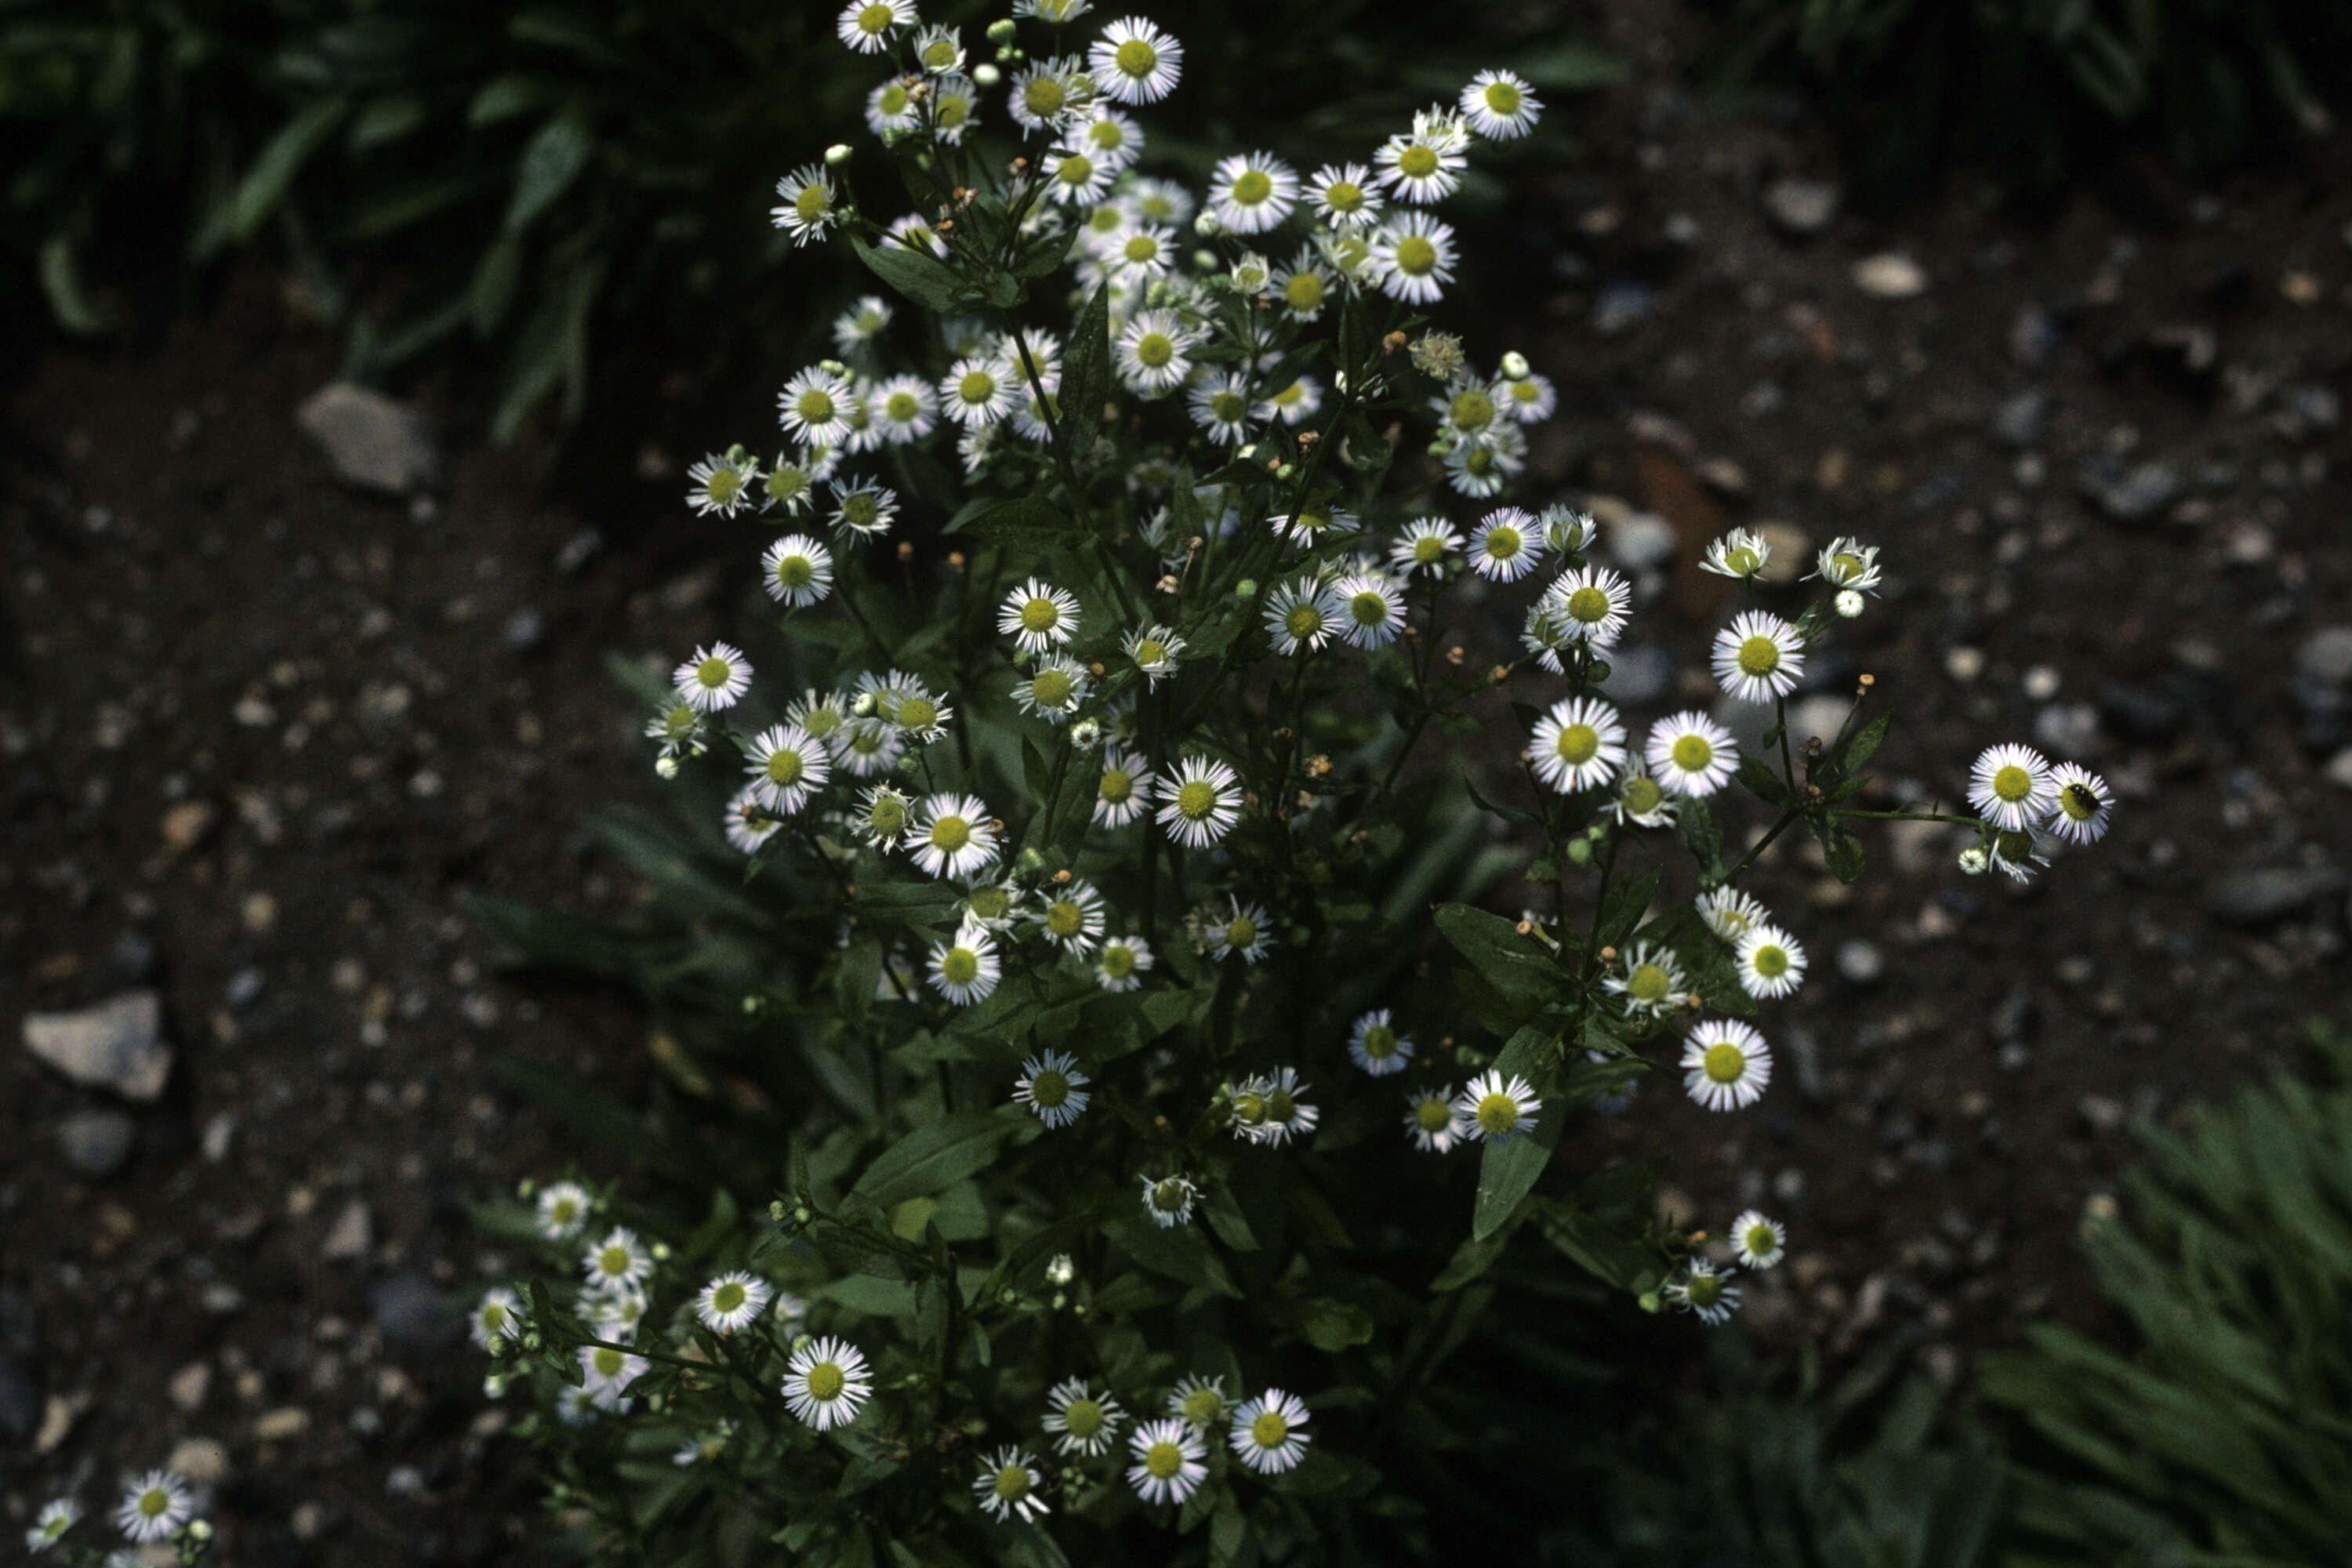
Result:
[{"x": 262, "y": 735}]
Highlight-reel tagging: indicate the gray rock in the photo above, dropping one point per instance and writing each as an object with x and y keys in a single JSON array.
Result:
[
  {"x": 2326, "y": 655},
  {"x": 116, "y": 1044},
  {"x": 352, "y": 1235},
  {"x": 2340, "y": 768},
  {"x": 132, "y": 958},
  {"x": 1639, "y": 674},
  {"x": 1860, "y": 961},
  {"x": 1641, "y": 540},
  {"x": 373, "y": 441},
  {"x": 2307, "y": 410},
  {"x": 412, "y": 1316},
  {"x": 2129, "y": 495},
  {"x": 525, "y": 630},
  {"x": 96, "y": 1142},
  {"x": 20, "y": 1401},
  {"x": 1890, "y": 275},
  {"x": 2032, "y": 334},
  {"x": 1803, "y": 206},
  {"x": 2258, "y": 897},
  {"x": 1621, "y": 306},
  {"x": 2068, "y": 729},
  {"x": 2021, "y": 420},
  {"x": 245, "y": 988},
  {"x": 578, "y": 551}
]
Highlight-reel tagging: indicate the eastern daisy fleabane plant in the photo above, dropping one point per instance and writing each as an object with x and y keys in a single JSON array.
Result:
[{"x": 1135, "y": 583}]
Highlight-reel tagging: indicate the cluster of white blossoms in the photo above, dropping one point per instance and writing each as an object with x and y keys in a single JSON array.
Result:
[{"x": 157, "y": 1507}]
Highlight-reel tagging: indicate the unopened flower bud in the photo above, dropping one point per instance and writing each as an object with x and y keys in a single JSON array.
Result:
[
  {"x": 1849, "y": 603},
  {"x": 986, "y": 75},
  {"x": 1208, "y": 226},
  {"x": 665, "y": 768},
  {"x": 1580, "y": 851},
  {"x": 836, "y": 156},
  {"x": 1974, "y": 861},
  {"x": 1514, "y": 366},
  {"x": 1003, "y": 30},
  {"x": 1084, "y": 734},
  {"x": 1245, "y": 589}
]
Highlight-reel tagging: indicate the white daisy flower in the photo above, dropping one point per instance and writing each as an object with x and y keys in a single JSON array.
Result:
[
  {"x": 1293, "y": 404},
  {"x": 1595, "y": 601},
  {"x": 2019, "y": 851},
  {"x": 1505, "y": 545},
  {"x": 1073, "y": 918},
  {"x": 1151, "y": 352},
  {"x": 1467, "y": 407},
  {"x": 720, "y": 484},
  {"x": 1497, "y": 1108},
  {"x": 749, "y": 822},
  {"x": 914, "y": 233},
  {"x": 975, "y": 392},
  {"x": 1123, "y": 790},
  {"x": 1082, "y": 1421},
  {"x": 903, "y": 409},
  {"x": 1244, "y": 931},
  {"x": 797, "y": 570},
  {"x": 883, "y": 816},
  {"x": 1500, "y": 105},
  {"x": 706, "y": 1449},
  {"x": 866, "y": 747},
  {"x": 1135, "y": 254},
  {"x": 954, "y": 838},
  {"x": 1530, "y": 400},
  {"x": 815, "y": 407},
  {"x": 867, "y": 25},
  {"x": 2012, "y": 787},
  {"x": 1758, "y": 1243},
  {"x": 1729, "y": 912},
  {"x": 49, "y": 1526},
  {"x": 859, "y": 325},
  {"x": 1302, "y": 616},
  {"x": 1742, "y": 552},
  {"x": 1200, "y": 1403},
  {"x": 893, "y": 106},
  {"x": 1691, "y": 754},
  {"x": 1122, "y": 963},
  {"x": 1054, "y": 689},
  {"x": 1008, "y": 1484},
  {"x": 1038, "y": 616},
  {"x": 1413, "y": 257},
  {"x": 787, "y": 765},
  {"x": 678, "y": 727},
  {"x": 497, "y": 1316},
  {"x": 1168, "y": 1467},
  {"x": 1432, "y": 1120},
  {"x": 1159, "y": 200},
  {"x": 608, "y": 1375},
  {"x": 807, "y": 209},
  {"x": 919, "y": 715},
  {"x": 1759, "y": 656},
  {"x": 1726, "y": 1065},
  {"x": 1702, "y": 1290},
  {"x": 965, "y": 968},
  {"x": 791, "y": 484},
  {"x": 955, "y": 106},
  {"x": 1371, "y": 610},
  {"x": 939, "y": 50},
  {"x": 1251, "y": 193},
  {"x": 715, "y": 677},
  {"x": 2083, "y": 804},
  {"x": 620, "y": 1260},
  {"x": 1051, "y": 1086},
  {"x": 1108, "y": 137},
  {"x": 1847, "y": 563},
  {"x": 1200, "y": 801},
  {"x": 1566, "y": 529},
  {"x": 1135, "y": 62},
  {"x": 1048, "y": 92},
  {"x": 1312, "y": 522},
  {"x": 614, "y": 1310},
  {"x": 1420, "y": 169},
  {"x": 731, "y": 1301},
  {"x": 1169, "y": 1200},
  {"x": 154, "y": 1506},
  {"x": 1266, "y": 1432},
  {"x": 1345, "y": 196},
  {"x": 1155, "y": 650},
  {"x": 1055, "y": 11},
  {"x": 563, "y": 1208},
  {"x": 1771, "y": 962},
  {"x": 827, "y": 1382},
  {"x": 994, "y": 905},
  {"x": 1579, "y": 745},
  {"x": 1270, "y": 1108},
  {"x": 1425, "y": 546},
  {"x": 1304, "y": 287},
  {"x": 865, "y": 507},
  {"x": 1483, "y": 467},
  {"x": 1640, "y": 803},
  {"x": 1375, "y": 1045},
  {"x": 1075, "y": 179}
]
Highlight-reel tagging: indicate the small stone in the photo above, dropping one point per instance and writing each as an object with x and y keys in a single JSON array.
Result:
[
  {"x": 412, "y": 1316},
  {"x": 57, "y": 1419},
  {"x": 2102, "y": 1114},
  {"x": 259, "y": 913},
  {"x": 2021, "y": 420},
  {"x": 20, "y": 1401},
  {"x": 578, "y": 551},
  {"x": 2258, "y": 897},
  {"x": 2129, "y": 495},
  {"x": 525, "y": 630},
  {"x": 373, "y": 441},
  {"x": 116, "y": 1044},
  {"x": 1641, "y": 540},
  {"x": 220, "y": 1298},
  {"x": 96, "y": 1142},
  {"x": 1963, "y": 663},
  {"x": 352, "y": 1235},
  {"x": 218, "y": 1131},
  {"x": 1816, "y": 716},
  {"x": 2032, "y": 334},
  {"x": 1621, "y": 306},
  {"x": 2340, "y": 768},
  {"x": 2327, "y": 656},
  {"x": 1860, "y": 961},
  {"x": 200, "y": 1461},
  {"x": 244, "y": 988},
  {"x": 189, "y": 1385},
  {"x": 2306, "y": 410},
  {"x": 2014, "y": 1057},
  {"x": 186, "y": 825},
  {"x": 278, "y": 1425},
  {"x": 1803, "y": 206},
  {"x": 1890, "y": 275},
  {"x": 132, "y": 958},
  {"x": 1639, "y": 674},
  {"x": 2068, "y": 729},
  {"x": 306, "y": 1521},
  {"x": 1792, "y": 550}
]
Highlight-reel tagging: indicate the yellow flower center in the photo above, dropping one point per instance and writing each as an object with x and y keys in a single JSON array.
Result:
[
  {"x": 1241, "y": 931},
  {"x": 1117, "y": 787},
  {"x": 1433, "y": 1115},
  {"x": 1428, "y": 550},
  {"x": 1725, "y": 1062},
  {"x": 950, "y": 832},
  {"x": 1203, "y": 1406},
  {"x": 1118, "y": 960},
  {"x": 1303, "y": 621},
  {"x": 1416, "y": 256},
  {"x": 1471, "y": 410},
  {"x": 1039, "y": 614},
  {"x": 1648, "y": 982},
  {"x": 796, "y": 572},
  {"x": 1304, "y": 292},
  {"x": 713, "y": 672},
  {"x": 1163, "y": 1460},
  {"x": 860, "y": 510},
  {"x": 727, "y": 1298},
  {"x": 1368, "y": 609},
  {"x": 1049, "y": 1089},
  {"x": 2078, "y": 802},
  {"x": 1759, "y": 655},
  {"x": 893, "y": 101},
  {"x": 960, "y": 966},
  {"x": 812, "y": 203},
  {"x": 1578, "y": 744},
  {"x": 874, "y": 19},
  {"x": 1640, "y": 795},
  {"x": 155, "y": 1503},
  {"x": 785, "y": 767},
  {"x": 1013, "y": 1482},
  {"x": 825, "y": 1381},
  {"x": 614, "y": 1261},
  {"x": 1344, "y": 196},
  {"x": 1504, "y": 543},
  {"x": 1084, "y": 1417},
  {"x": 1269, "y": 1430},
  {"x": 1141, "y": 247},
  {"x": 1252, "y": 187},
  {"x": 1136, "y": 59},
  {"x": 917, "y": 713},
  {"x": 1588, "y": 606},
  {"x": 888, "y": 815},
  {"x": 902, "y": 407},
  {"x": 1498, "y": 1113},
  {"x": 815, "y": 407},
  {"x": 1771, "y": 962},
  {"x": 1043, "y": 97},
  {"x": 1502, "y": 97},
  {"x": 977, "y": 386},
  {"x": 1075, "y": 170},
  {"x": 1417, "y": 163},
  {"x": 1380, "y": 1042},
  {"x": 939, "y": 54},
  {"x": 1052, "y": 689},
  {"x": 608, "y": 1360},
  {"x": 1150, "y": 652},
  {"x": 1196, "y": 799},
  {"x": 1846, "y": 566},
  {"x": 1155, "y": 349},
  {"x": 2012, "y": 783},
  {"x": 1692, "y": 754},
  {"x": 1064, "y": 918}
]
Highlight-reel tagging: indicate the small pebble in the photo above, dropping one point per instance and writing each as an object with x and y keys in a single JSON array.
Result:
[
  {"x": 1860, "y": 961},
  {"x": 1890, "y": 276}
]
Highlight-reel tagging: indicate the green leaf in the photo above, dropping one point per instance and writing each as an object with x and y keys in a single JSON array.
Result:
[
  {"x": 387, "y": 118},
  {"x": 497, "y": 276},
  {"x": 1621, "y": 908},
  {"x": 503, "y": 98},
  {"x": 933, "y": 1156},
  {"x": 258, "y": 193},
  {"x": 1847, "y": 757},
  {"x": 1332, "y": 1326},
  {"x": 1602, "y": 1249},
  {"x": 551, "y": 161},
  {"x": 1759, "y": 776},
  {"x": 1178, "y": 1252},
  {"x": 1087, "y": 372},
  {"x": 1570, "y": 66},
  {"x": 1843, "y": 848},
  {"x": 1519, "y": 968},
  {"x": 1507, "y": 812},
  {"x": 553, "y": 347},
  {"x": 1508, "y": 1171},
  {"x": 62, "y": 283},
  {"x": 1697, "y": 824},
  {"x": 1472, "y": 1258},
  {"x": 1025, "y": 523},
  {"x": 917, "y": 274}
]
